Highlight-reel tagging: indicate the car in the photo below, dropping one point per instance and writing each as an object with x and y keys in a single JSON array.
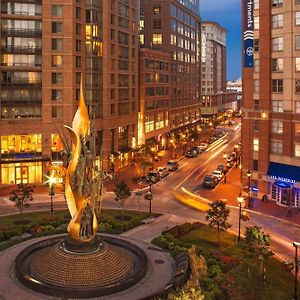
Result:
[
  {"x": 153, "y": 176},
  {"x": 197, "y": 149},
  {"x": 162, "y": 171},
  {"x": 218, "y": 174},
  {"x": 209, "y": 181},
  {"x": 222, "y": 168},
  {"x": 231, "y": 123},
  {"x": 172, "y": 165},
  {"x": 190, "y": 153},
  {"x": 203, "y": 146}
]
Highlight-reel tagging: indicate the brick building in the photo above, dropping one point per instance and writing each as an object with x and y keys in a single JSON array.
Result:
[
  {"x": 174, "y": 27},
  {"x": 46, "y": 46},
  {"x": 215, "y": 97},
  {"x": 271, "y": 100}
]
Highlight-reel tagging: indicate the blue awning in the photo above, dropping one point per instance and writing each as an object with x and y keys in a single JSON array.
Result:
[{"x": 283, "y": 172}]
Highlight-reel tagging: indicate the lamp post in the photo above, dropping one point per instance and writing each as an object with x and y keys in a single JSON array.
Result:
[
  {"x": 171, "y": 143},
  {"x": 183, "y": 143},
  {"x": 249, "y": 174},
  {"x": 225, "y": 159},
  {"x": 153, "y": 151},
  {"x": 297, "y": 262},
  {"x": 240, "y": 201},
  {"x": 51, "y": 182}
]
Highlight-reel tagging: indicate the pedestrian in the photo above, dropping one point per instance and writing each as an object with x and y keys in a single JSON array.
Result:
[{"x": 264, "y": 198}]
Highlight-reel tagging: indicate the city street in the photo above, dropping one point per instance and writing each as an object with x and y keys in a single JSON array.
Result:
[{"x": 189, "y": 177}]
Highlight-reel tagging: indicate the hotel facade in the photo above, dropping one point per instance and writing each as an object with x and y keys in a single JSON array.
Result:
[{"x": 271, "y": 100}]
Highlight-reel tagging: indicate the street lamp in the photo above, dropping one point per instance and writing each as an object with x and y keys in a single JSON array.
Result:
[
  {"x": 240, "y": 200},
  {"x": 249, "y": 174},
  {"x": 149, "y": 195},
  {"x": 297, "y": 262},
  {"x": 225, "y": 159},
  {"x": 51, "y": 181},
  {"x": 153, "y": 151}
]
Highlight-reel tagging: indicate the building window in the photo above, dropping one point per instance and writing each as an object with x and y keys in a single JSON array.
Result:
[
  {"x": 277, "y": 105},
  {"x": 297, "y": 18},
  {"x": 78, "y": 62},
  {"x": 297, "y": 128},
  {"x": 54, "y": 111},
  {"x": 157, "y": 24},
  {"x": 277, "y": 64},
  {"x": 256, "y": 86},
  {"x": 256, "y": 65},
  {"x": 255, "y": 125},
  {"x": 256, "y": 4},
  {"x": 78, "y": 12},
  {"x": 297, "y": 42},
  {"x": 57, "y": 78},
  {"x": 57, "y": 44},
  {"x": 256, "y": 44},
  {"x": 256, "y": 22},
  {"x": 277, "y": 127},
  {"x": 277, "y": 3},
  {"x": 157, "y": 38},
  {"x": 255, "y": 165},
  {"x": 57, "y": 27},
  {"x": 57, "y": 10},
  {"x": 297, "y": 150},
  {"x": 277, "y": 44},
  {"x": 255, "y": 144},
  {"x": 276, "y": 147},
  {"x": 277, "y": 85},
  {"x": 57, "y": 60},
  {"x": 142, "y": 39},
  {"x": 256, "y": 104},
  {"x": 149, "y": 123},
  {"x": 156, "y": 10},
  {"x": 57, "y": 95},
  {"x": 78, "y": 29},
  {"x": 277, "y": 21},
  {"x": 297, "y": 107},
  {"x": 297, "y": 86}
]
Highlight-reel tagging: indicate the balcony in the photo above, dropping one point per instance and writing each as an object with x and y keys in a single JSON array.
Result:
[
  {"x": 21, "y": 49},
  {"x": 21, "y": 32}
]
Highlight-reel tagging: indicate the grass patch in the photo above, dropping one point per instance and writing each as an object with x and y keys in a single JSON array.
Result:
[{"x": 277, "y": 283}]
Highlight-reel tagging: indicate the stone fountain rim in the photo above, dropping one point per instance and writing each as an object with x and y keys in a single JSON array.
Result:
[{"x": 24, "y": 277}]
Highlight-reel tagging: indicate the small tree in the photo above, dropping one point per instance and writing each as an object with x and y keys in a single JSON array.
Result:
[
  {"x": 22, "y": 196},
  {"x": 122, "y": 192},
  {"x": 257, "y": 243},
  {"x": 217, "y": 217}
]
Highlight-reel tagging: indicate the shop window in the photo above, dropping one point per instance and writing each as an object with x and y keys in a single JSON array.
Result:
[
  {"x": 21, "y": 143},
  {"x": 149, "y": 123},
  {"x": 56, "y": 144}
]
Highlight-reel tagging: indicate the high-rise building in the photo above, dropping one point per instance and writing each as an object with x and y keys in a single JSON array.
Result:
[
  {"x": 174, "y": 27},
  {"x": 271, "y": 101},
  {"x": 46, "y": 47},
  {"x": 215, "y": 97}
]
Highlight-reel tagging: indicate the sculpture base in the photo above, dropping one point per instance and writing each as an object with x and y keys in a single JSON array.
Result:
[
  {"x": 82, "y": 247},
  {"x": 60, "y": 267}
]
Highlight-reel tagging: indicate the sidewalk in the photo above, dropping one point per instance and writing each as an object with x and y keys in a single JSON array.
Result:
[{"x": 231, "y": 189}]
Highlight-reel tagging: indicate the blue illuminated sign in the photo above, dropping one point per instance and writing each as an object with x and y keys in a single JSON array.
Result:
[
  {"x": 282, "y": 179},
  {"x": 248, "y": 34},
  {"x": 254, "y": 189}
]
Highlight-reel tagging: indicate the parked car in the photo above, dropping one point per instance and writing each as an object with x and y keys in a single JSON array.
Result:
[
  {"x": 218, "y": 174},
  {"x": 153, "y": 176},
  {"x": 209, "y": 181},
  {"x": 203, "y": 146},
  {"x": 190, "y": 153},
  {"x": 172, "y": 165},
  {"x": 162, "y": 171},
  {"x": 222, "y": 168}
]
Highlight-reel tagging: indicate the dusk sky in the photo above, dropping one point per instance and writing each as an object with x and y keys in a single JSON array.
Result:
[{"x": 227, "y": 14}]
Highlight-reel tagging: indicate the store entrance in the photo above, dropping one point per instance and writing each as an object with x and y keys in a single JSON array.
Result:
[
  {"x": 21, "y": 174},
  {"x": 282, "y": 193}
]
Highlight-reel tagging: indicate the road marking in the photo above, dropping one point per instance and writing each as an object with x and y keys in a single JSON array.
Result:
[{"x": 217, "y": 146}]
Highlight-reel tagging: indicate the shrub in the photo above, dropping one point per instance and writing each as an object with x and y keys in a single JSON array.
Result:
[
  {"x": 215, "y": 294},
  {"x": 211, "y": 261},
  {"x": 215, "y": 271},
  {"x": 184, "y": 228}
]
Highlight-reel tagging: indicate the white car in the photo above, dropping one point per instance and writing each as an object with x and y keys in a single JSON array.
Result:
[
  {"x": 162, "y": 171},
  {"x": 218, "y": 174},
  {"x": 203, "y": 146}
]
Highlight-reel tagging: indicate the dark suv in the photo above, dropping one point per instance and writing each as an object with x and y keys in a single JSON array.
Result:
[{"x": 210, "y": 181}]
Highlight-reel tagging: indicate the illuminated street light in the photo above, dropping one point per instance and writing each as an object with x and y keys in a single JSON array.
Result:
[
  {"x": 51, "y": 181},
  {"x": 240, "y": 200}
]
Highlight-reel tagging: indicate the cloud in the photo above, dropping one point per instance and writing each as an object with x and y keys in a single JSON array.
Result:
[{"x": 219, "y": 5}]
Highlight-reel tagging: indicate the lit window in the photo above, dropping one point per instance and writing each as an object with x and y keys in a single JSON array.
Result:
[
  {"x": 256, "y": 22},
  {"x": 277, "y": 105},
  {"x": 142, "y": 39},
  {"x": 255, "y": 144},
  {"x": 157, "y": 38},
  {"x": 276, "y": 147},
  {"x": 297, "y": 64},
  {"x": 297, "y": 107},
  {"x": 256, "y": 65},
  {"x": 297, "y": 128},
  {"x": 256, "y": 86},
  {"x": 277, "y": 127},
  {"x": 277, "y": 64},
  {"x": 57, "y": 60},
  {"x": 297, "y": 150},
  {"x": 142, "y": 24},
  {"x": 156, "y": 10},
  {"x": 256, "y": 4},
  {"x": 297, "y": 18}
]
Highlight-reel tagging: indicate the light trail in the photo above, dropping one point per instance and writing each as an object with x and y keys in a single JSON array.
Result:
[{"x": 217, "y": 146}]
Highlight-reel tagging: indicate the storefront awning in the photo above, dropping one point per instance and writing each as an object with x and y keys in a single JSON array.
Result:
[{"x": 283, "y": 172}]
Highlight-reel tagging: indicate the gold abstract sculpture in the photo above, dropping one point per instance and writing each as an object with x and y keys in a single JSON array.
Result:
[{"x": 83, "y": 184}]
